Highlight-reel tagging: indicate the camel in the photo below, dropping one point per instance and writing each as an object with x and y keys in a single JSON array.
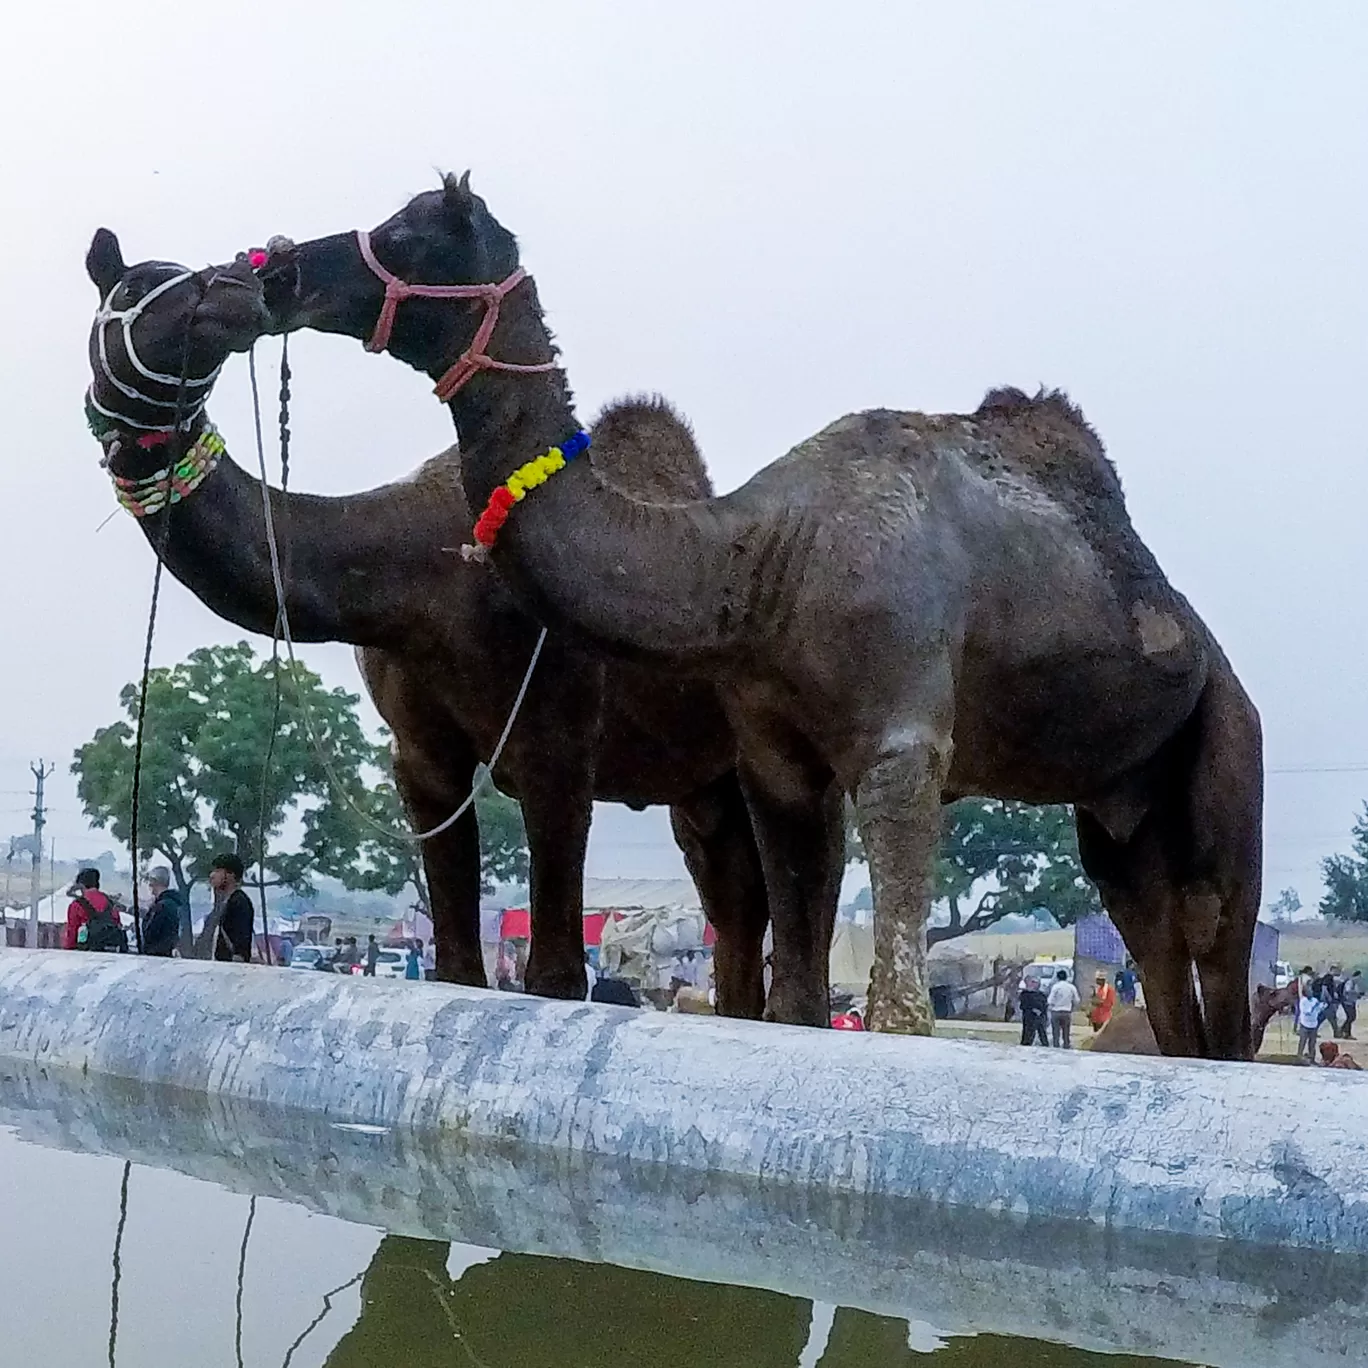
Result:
[
  {"x": 907, "y": 608},
  {"x": 1129, "y": 1031},
  {"x": 442, "y": 645}
]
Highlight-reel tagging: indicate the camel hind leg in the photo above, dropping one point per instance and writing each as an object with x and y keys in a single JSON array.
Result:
[
  {"x": 714, "y": 833},
  {"x": 1184, "y": 889},
  {"x": 1225, "y": 857},
  {"x": 431, "y": 786}
]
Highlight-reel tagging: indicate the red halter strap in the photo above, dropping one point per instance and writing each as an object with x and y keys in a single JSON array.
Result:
[{"x": 474, "y": 358}]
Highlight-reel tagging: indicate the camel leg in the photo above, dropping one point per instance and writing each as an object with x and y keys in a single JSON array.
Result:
[
  {"x": 557, "y": 813},
  {"x": 451, "y": 862},
  {"x": 1136, "y": 882},
  {"x": 1184, "y": 889},
  {"x": 713, "y": 829},
  {"x": 1226, "y": 858},
  {"x": 898, "y": 802},
  {"x": 796, "y": 813}
]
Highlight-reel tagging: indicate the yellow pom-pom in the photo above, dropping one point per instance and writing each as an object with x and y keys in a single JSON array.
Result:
[
  {"x": 515, "y": 485},
  {"x": 555, "y": 460}
]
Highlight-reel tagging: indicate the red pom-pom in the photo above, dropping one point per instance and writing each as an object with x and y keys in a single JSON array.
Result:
[
  {"x": 502, "y": 499},
  {"x": 256, "y": 259}
]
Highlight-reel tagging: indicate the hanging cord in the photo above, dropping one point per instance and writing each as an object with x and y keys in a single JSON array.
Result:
[
  {"x": 118, "y": 1263},
  {"x": 163, "y": 540},
  {"x": 241, "y": 1278},
  {"x": 275, "y": 632},
  {"x": 283, "y": 622}
]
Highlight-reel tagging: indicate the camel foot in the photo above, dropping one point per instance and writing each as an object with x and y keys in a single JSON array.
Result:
[{"x": 569, "y": 986}]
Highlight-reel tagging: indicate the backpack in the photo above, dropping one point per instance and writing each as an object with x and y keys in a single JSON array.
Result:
[{"x": 102, "y": 931}]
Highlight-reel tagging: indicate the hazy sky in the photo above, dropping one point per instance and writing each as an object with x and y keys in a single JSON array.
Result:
[{"x": 773, "y": 214}]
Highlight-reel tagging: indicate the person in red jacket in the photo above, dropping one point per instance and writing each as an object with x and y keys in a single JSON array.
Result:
[{"x": 87, "y": 890}]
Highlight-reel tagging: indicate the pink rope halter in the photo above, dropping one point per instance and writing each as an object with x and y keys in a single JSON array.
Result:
[{"x": 474, "y": 358}]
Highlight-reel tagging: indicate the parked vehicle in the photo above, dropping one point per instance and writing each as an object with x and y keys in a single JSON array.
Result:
[{"x": 306, "y": 956}]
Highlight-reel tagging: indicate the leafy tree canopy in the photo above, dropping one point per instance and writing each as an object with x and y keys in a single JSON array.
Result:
[
  {"x": 1346, "y": 878},
  {"x": 998, "y": 858},
  {"x": 208, "y": 731}
]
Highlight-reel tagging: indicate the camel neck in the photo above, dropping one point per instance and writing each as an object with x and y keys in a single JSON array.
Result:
[
  {"x": 354, "y": 564},
  {"x": 625, "y": 575}
]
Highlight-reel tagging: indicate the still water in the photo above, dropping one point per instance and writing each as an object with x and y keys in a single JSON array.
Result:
[{"x": 153, "y": 1231}]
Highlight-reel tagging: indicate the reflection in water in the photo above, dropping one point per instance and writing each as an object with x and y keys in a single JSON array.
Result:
[
  {"x": 528, "y": 1311},
  {"x": 753, "y": 1276},
  {"x": 118, "y": 1264},
  {"x": 241, "y": 1276}
]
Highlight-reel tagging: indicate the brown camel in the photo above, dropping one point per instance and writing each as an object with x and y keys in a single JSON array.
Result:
[
  {"x": 1129, "y": 1031},
  {"x": 443, "y": 646},
  {"x": 906, "y": 607}
]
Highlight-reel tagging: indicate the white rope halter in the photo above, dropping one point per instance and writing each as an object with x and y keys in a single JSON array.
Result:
[{"x": 126, "y": 318}]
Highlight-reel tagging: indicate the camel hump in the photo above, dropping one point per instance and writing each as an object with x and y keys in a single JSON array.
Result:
[
  {"x": 1128, "y": 1032},
  {"x": 1004, "y": 399},
  {"x": 644, "y": 447},
  {"x": 1044, "y": 403}
]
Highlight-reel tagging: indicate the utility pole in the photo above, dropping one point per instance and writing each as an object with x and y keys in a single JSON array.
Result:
[{"x": 40, "y": 773}]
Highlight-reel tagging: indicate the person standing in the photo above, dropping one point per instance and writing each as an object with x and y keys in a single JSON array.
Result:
[
  {"x": 1062, "y": 1001},
  {"x": 372, "y": 956},
  {"x": 429, "y": 959},
  {"x": 1327, "y": 988},
  {"x": 1125, "y": 983},
  {"x": 1350, "y": 994},
  {"x": 92, "y": 923},
  {"x": 162, "y": 929},
  {"x": 1034, "y": 1005},
  {"x": 236, "y": 915},
  {"x": 1103, "y": 1003},
  {"x": 413, "y": 965},
  {"x": 1310, "y": 1009}
]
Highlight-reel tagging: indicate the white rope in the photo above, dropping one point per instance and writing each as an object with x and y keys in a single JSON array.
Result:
[
  {"x": 125, "y": 318},
  {"x": 388, "y": 832}
]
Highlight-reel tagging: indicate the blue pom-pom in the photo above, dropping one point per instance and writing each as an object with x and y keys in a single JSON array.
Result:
[{"x": 575, "y": 446}]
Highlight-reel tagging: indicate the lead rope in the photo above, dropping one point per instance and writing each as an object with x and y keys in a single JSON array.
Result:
[
  {"x": 163, "y": 540},
  {"x": 283, "y": 624},
  {"x": 275, "y": 644}
]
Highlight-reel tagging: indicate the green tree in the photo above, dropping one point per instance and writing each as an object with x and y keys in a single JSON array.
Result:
[
  {"x": 1346, "y": 878},
  {"x": 998, "y": 858},
  {"x": 208, "y": 730},
  {"x": 1026, "y": 854},
  {"x": 1285, "y": 906}
]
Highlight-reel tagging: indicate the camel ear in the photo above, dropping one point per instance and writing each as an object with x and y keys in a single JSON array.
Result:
[
  {"x": 458, "y": 199},
  {"x": 104, "y": 261}
]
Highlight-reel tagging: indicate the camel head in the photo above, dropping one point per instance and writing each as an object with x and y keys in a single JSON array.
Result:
[
  {"x": 162, "y": 333},
  {"x": 441, "y": 237}
]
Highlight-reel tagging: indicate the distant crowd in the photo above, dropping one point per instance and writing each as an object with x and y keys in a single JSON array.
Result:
[{"x": 1332, "y": 997}]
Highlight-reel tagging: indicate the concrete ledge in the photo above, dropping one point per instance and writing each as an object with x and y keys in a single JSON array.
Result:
[
  {"x": 1259, "y": 1154},
  {"x": 956, "y": 1271}
]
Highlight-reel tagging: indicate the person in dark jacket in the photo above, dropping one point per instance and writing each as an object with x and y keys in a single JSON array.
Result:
[
  {"x": 236, "y": 915},
  {"x": 1033, "y": 1004},
  {"x": 162, "y": 926}
]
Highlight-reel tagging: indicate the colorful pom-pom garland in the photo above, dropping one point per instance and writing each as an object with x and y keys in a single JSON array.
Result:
[
  {"x": 175, "y": 482},
  {"x": 516, "y": 488}
]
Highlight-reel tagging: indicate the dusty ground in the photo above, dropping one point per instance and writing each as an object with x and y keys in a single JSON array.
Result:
[
  {"x": 1319, "y": 944},
  {"x": 1280, "y": 1040}
]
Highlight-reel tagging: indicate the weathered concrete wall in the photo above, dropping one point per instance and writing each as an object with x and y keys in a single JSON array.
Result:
[
  {"x": 1271, "y": 1156},
  {"x": 963, "y": 1272}
]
